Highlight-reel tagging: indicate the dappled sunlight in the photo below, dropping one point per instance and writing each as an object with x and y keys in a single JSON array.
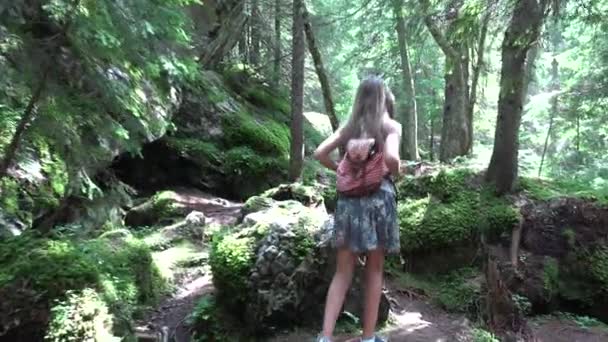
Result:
[{"x": 410, "y": 321}]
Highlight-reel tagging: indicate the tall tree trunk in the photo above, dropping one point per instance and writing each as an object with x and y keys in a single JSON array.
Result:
[
  {"x": 297, "y": 92},
  {"x": 28, "y": 117},
  {"x": 522, "y": 32},
  {"x": 476, "y": 73},
  {"x": 555, "y": 86},
  {"x": 320, "y": 69},
  {"x": 229, "y": 35},
  {"x": 276, "y": 71},
  {"x": 409, "y": 145},
  {"x": 530, "y": 82},
  {"x": 432, "y": 135},
  {"x": 454, "y": 133},
  {"x": 255, "y": 28}
]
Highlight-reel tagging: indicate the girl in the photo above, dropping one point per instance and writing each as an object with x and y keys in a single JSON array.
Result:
[{"x": 364, "y": 225}]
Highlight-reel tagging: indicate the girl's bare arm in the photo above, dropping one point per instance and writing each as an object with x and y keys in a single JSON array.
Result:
[
  {"x": 391, "y": 147},
  {"x": 322, "y": 152}
]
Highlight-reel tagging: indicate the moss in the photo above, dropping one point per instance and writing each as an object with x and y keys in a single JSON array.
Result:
[
  {"x": 81, "y": 316},
  {"x": 197, "y": 149},
  {"x": 231, "y": 259},
  {"x": 245, "y": 162},
  {"x": 9, "y": 196},
  {"x": 457, "y": 294},
  {"x": 598, "y": 264},
  {"x": 551, "y": 277},
  {"x": 445, "y": 210},
  {"x": 120, "y": 269},
  {"x": 266, "y": 136},
  {"x": 304, "y": 241},
  {"x": 549, "y": 189},
  {"x": 164, "y": 204},
  {"x": 257, "y": 203}
]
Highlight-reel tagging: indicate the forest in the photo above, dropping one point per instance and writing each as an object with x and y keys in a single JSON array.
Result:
[{"x": 157, "y": 179}]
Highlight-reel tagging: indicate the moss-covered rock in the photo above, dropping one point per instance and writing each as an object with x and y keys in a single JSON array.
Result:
[
  {"x": 163, "y": 207},
  {"x": 82, "y": 316},
  {"x": 275, "y": 267},
  {"x": 37, "y": 271},
  {"x": 231, "y": 136},
  {"x": 443, "y": 215}
]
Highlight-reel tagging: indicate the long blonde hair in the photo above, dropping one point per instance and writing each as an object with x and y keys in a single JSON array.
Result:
[{"x": 366, "y": 118}]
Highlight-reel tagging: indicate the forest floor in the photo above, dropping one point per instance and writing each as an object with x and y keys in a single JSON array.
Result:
[{"x": 414, "y": 317}]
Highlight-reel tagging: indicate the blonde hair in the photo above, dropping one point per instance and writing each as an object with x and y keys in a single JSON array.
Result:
[
  {"x": 390, "y": 102},
  {"x": 366, "y": 118}
]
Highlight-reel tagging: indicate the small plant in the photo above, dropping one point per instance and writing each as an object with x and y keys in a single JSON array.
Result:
[
  {"x": 206, "y": 321},
  {"x": 523, "y": 304},
  {"x": 481, "y": 335},
  {"x": 551, "y": 277}
]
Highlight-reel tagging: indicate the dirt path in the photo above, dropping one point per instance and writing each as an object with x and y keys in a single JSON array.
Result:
[{"x": 186, "y": 263}]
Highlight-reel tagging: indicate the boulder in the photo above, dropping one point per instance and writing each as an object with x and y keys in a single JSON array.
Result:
[
  {"x": 163, "y": 207},
  {"x": 277, "y": 266}
]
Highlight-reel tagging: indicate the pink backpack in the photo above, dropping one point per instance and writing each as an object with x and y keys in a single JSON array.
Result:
[{"x": 363, "y": 178}]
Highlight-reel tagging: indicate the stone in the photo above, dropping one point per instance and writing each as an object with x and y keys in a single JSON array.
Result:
[
  {"x": 293, "y": 267},
  {"x": 196, "y": 218}
]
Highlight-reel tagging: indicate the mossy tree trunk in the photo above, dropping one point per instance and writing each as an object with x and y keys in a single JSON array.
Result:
[
  {"x": 409, "y": 145},
  {"x": 297, "y": 92},
  {"x": 523, "y": 31},
  {"x": 454, "y": 134},
  {"x": 320, "y": 69}
]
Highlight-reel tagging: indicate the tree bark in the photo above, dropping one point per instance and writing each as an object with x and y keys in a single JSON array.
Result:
[
  {"x": 475, "y": 78},
  {"x": 454, "y": 133},
  {"x": 522, "y": 32},
  {"x": 320, "y": 69},
  {"x": 28, "y": 117},
  {"x": 409, "y": 145},
  {"x": 276, "y": 71},
  {"x": 530, "y": 82},
  {"x": 228, "y": 36},
  {"x": 554, "y": 103},
  {"x": 254, "y": 26},
  {"x": 297, "y": 92}
]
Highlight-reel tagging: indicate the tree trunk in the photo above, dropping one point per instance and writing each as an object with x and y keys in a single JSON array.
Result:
[
  {"x": 276, "y": 71},
  {"x": 297, "y": 92},
  {"x": 409, "y": 145},
  {"x": 254, "y": 26},
  {"x": 320, "y": 69},
  {"x": 228, "y": 36},
  {"x": 28, "y": 117},
  {"x": 554, "y": 103},
  {"x": 475, "y": 79},
  {"x": 530, "y": 82},
  {"x": 522, "y": 32},
  {"x": 454, "y": 133}
]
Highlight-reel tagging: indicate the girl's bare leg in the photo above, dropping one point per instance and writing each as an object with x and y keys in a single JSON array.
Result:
[
  {"x": 337, "y": 290},
  {"x": 373, "y": 290}
]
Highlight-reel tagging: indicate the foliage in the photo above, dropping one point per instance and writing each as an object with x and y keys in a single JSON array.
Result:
[
  {"x": 481, "y": 335},
  {"x": 108, "y": 87},
  {"x": 231, "y": 259},
  {"x": 551, "y": 277},
  {"x": 82, "y": 316},
  {"x": 457, "y": 294},
  {"x": 119, "y": 268},
  {"x": 207, "y": 321},
  {"x": 598, "y": 263},
  {"x": 443, "y": 210}
]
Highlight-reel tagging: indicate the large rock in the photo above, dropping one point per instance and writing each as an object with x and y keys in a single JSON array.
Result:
[
  {"x": 562, "y": 262},
  {"x": 283, "y": 263}
]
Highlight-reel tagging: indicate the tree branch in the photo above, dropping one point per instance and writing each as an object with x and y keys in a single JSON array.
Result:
[{"x": 435, "y": 31}]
